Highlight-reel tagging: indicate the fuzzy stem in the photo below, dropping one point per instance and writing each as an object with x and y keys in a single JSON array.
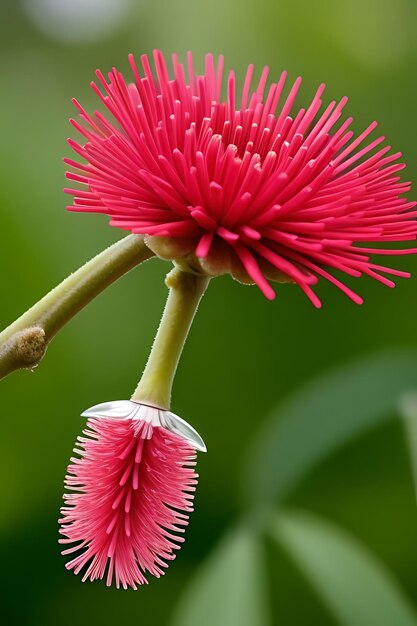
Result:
[
  {"x": 24, "y": 343},
  {"x": 185, "y": 292}
]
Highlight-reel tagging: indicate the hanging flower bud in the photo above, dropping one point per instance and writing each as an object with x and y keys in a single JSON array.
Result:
[{"x": 130, "y": 491}]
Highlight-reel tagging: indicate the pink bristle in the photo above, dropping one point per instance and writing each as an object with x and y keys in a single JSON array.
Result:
[
  {"x": 125, "y": 495},
  {"x": 176, "y": 159}
]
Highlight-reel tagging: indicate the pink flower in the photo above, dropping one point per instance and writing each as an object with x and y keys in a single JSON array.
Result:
[
  {"x": 130, "y": 492},
  {"x": 276, "y": 189}
]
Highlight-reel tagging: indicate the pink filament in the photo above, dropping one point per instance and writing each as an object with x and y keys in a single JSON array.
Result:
[
  {"x": 177, "y": 160},
  {"x": 129, "y": 495}
]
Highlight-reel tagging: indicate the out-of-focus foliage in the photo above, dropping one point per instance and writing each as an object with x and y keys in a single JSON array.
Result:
[
  {"x": 357, "y": 588},
  {"x": 231, "y": 588},
  {"x": 323, "y": 416},
  {"x": 244, "y": 354}
]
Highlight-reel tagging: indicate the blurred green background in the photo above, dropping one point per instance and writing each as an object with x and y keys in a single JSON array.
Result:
[{"x": 245, "y": 355}]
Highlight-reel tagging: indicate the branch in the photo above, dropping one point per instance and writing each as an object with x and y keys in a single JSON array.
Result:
[{"x": 23, "y": 344}]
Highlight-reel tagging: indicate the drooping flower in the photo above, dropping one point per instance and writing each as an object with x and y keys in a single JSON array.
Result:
[
  {"x": 130, "y": 490},
  {"x": 246, "y": 183}
]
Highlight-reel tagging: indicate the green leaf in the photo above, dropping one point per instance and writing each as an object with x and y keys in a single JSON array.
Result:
[
  {"x": 408, "y": 408},
  {"x": 356, "y": 587},
  {"x": 229, "y": 588},
  {"x": 322, "y": 416}
]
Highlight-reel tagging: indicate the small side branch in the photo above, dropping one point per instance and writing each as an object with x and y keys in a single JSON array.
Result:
[{"x": 23, "y": 344}]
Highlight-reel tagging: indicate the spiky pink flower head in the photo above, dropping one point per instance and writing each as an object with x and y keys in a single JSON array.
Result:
[
  {"x": 242, "y": 183},
  {"x": 130, "y": 490}
]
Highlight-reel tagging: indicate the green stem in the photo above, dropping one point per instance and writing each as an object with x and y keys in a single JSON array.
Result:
[
  {"x": 24, "y": 343},
  {"x": 185, "y": 292}
]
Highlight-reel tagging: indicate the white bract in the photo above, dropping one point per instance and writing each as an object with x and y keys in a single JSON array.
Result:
[{"x": 127, "y": 409}]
